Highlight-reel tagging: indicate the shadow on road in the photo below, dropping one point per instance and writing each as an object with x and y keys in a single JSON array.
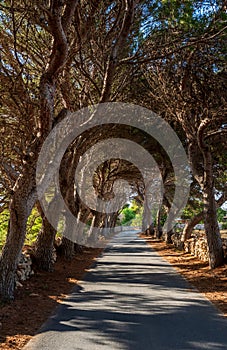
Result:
[{"x": 133, "y": 299}]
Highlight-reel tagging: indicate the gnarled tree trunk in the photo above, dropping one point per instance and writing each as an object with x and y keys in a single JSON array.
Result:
[
  {"x": 169, "y": 230},
  {"x": 24, "y": 196},
  {"x": 206, "y": 181},
  {"x": 21, "y": 204},
  {"x": 204, "y": 176},
  {"x": 67, "y": 247},
  {"x": 44, "y": 251},
  {"x": 189, "y": 226},
  {"x": 216, "y": 255}
]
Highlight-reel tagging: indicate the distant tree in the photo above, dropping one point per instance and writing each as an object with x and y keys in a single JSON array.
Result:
[{"x": 128, "y": 215}]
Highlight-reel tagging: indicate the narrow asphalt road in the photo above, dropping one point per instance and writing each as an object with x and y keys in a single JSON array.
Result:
[{"x": 133, "y": 299}]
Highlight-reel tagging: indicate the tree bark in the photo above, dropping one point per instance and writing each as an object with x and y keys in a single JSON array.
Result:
[
  {"x": 21, "y": 204},
  {"x": 169, "y": 230},
  {"x": 24, "y": 196},
  {"x": 214, "y": 241},
  {"x": 189, "y": 226},
  {"x": 113, "y": 220},
  {"x": 147, "y": 219},
  {"x": 158, "y": 231},
  {"x": 204, "y": 176},
  {"x": 187, "y": 231},
  {"x": 116, "y": 51},
  {"x": 67, "y": 247},
  {"x": 215, "y": 248},
  {"x": 44, "y": 251}
]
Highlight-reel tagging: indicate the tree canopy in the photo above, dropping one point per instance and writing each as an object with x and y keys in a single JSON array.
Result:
[{"x": 58, "y": 57}]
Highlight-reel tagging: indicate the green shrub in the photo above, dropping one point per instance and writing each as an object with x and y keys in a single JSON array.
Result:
[
  {"x": 4, "y": 218},
  {"x": 224, "y": 226},
  {"x": 33, "y": 227}
]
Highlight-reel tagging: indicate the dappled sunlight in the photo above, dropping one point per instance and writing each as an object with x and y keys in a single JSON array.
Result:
[{"x": 133, "y": 299}]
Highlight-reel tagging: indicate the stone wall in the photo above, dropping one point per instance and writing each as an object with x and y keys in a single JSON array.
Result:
[
  {"x": 196, "y": 245},
  {"x": 24, "y": 269},
  {"x": 224, "y": 240}
]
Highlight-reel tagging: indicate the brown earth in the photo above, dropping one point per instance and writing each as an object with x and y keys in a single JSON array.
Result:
[
  {"x": 44, "y": 291},
  {"x": 38, "y": 298},
  {"x": 211, "y": 283}
]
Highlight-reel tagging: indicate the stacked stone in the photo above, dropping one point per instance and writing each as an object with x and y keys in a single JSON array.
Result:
[
  {"x": 196, "y": 245},
  {"x": 24, "y": 269},
  {"x": 224, "y": 240},
  {"x": 201, "y": 249},
  {"x": 189, "y": 245},
  {"x": 176, "y": 239}
]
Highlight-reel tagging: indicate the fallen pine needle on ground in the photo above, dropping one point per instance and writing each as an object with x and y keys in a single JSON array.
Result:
[
  {"x": 38, "y": 298},
  {"x": 211, "y": 283}
]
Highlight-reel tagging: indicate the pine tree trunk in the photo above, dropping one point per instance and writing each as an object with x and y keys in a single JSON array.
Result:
[
  {"x": 20, "y": 208},
  {"x": 92, "y": 234},
  {"x": 204, "y": 176},
  {"x": 24, "y": 196},
  {"x": 151, "y": 229},
  {"x": 66, "y": 180},
  {"x": 215, "y": 248},
  {"x": 169, "y": 230},
  {"x": 147, "y": 220},
  {"x": 78, "y": 249},
  {"x": 44, "y": 247},
  {"x": 67, "y": 248},
  {"x": 113, "y": 221},
  {"x": 189, "y": 226},
  {"x": 168, "y": 237},
  {"x": 158, "y": 231}
]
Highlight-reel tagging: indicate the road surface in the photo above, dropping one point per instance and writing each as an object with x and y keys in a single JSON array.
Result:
[{"x": 133, "y": 299}]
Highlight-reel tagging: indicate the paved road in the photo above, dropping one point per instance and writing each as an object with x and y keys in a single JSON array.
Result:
[{"x": 133, "y": 299}]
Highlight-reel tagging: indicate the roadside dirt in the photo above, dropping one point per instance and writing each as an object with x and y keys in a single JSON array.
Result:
[
  {"x": 211, "y": 283},
  {"x": 21, "y": 319},
  {"x": 38, "y": 298}
]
